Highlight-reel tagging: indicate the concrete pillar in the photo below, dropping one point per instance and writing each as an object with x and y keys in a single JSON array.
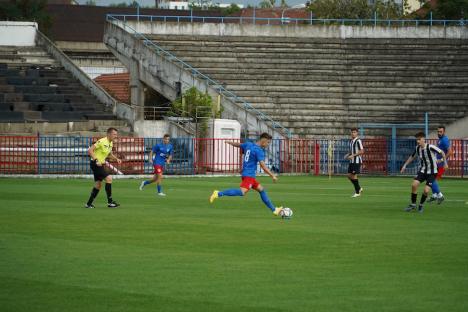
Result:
[{"x": 137, "y": 91}]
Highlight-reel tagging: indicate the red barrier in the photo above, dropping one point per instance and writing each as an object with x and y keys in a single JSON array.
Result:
[
  {"x": 300, "y": 156},
  {"x": 18, "y": 154},
  {"x": 455, "y": 162},
  {"x": 375, "y": 158}
]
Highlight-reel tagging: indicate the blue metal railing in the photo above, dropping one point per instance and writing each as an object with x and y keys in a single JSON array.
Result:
[
  {"x": 288, "y": 20},
  {"x": 210, "y": 82}
]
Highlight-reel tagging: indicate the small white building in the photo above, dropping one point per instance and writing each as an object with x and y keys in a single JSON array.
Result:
[{"x": 173, "y": 5}]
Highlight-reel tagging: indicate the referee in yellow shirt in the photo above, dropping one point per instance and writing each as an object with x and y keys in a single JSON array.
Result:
[{"x": 99, "y": 152}]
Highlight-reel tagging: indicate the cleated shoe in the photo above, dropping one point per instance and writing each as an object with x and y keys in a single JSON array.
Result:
[
  {"x": 214, "y": 196},
  {"x": 113, "y": 204}
]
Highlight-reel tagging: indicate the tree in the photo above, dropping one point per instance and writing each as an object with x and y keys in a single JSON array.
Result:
[
  {"x": 451, "y": 9},
  {"x": 284, "y": 4},
  {"x": 356, "y": 9},
  {"x": 26, "y": 10},
  {"x": 198, "y": 105},
  {"x": 233, "y": 8},
  {"x": 90, "y": 2},
  {"x": 265, "y": 4},
  {"x": 133, "y": 4}
]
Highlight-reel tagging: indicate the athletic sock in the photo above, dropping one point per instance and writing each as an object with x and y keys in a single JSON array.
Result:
[
  {"x": 231, "y": 192},
  {"x": 159, "y": 188},
  {"x": 413, "y": 198},
  {"x": 93, "y": 195},
  {"x": 266, "y": 200},
  {"x": 435, "y": 187},
  {"x": 109, "y": 192},
  {"x": 423, "y": 199},
  {"x": 357, "y": 187},
  {"x": 146, "y": 182}
]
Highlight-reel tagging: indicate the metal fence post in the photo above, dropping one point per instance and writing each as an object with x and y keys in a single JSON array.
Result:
[{"x": 393, "y": 151}]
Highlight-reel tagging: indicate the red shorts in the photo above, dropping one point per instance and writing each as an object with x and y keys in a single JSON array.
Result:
[
  {"x": 440, "y": 172},
  {"x": 158, "y": 169},
  {"x": 249, "y": 182}
]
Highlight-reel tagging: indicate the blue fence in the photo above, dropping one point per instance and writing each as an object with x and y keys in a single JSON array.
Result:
[{"x": 68, "y": 155}]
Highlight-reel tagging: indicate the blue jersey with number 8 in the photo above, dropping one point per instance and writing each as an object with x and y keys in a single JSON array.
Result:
[{"x": 252, "y": 154}]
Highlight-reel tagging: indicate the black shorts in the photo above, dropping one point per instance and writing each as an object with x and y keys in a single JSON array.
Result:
[
  {"x": 354, "y": 168},
  {"x": 429, "y": 178},
  {"x": 99, "y": 172}
]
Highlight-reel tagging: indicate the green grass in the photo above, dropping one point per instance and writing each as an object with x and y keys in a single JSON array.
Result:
[{"x": 181, "y": 254}]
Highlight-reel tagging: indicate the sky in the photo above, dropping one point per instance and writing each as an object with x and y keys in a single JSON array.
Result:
[{"x": 152, "y": 2}]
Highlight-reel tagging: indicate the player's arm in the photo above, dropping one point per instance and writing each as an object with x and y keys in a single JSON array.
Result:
[
  {"x": 359, "y": 152},
  {"x": 268, "y": 171},
  {"x": 92, "y": 155},
  {"x": 235, "y": 144},
  {"x": 168, "y": 159},
  {"x": 407, "y": 162},
  {"x": 441, "y": 153},
  {"x": 449, "y": 153},
  {"x": 151, "y": 157}
]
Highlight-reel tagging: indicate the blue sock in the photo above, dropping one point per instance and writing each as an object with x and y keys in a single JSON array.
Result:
[
  {"x": 435, "y": 188},
  {"x": 231, "y": 192},
  {"x": 159, "y": 188},
  {"x": 266, "y": 200},
  {"x": 146, "y": 183}
]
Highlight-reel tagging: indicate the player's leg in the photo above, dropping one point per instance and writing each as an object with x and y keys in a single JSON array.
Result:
[
  {"x": 435, "y": 191},
  {"x": 353, "y": 171},
  {"x": 245, "y": 186},
  {"x": 440, "y": 196},
  {"x": 99, "y": 174},
  {"x": 110, "y": 202},
  {"x": 427, "y": 189},
  {"x": 94, "y": 193},
  {"x": 158, "y": 184},
  {"x": 266, "y": 200},
  {"x": 414, "y": 192},
  {"x": 146, "y": 182}
]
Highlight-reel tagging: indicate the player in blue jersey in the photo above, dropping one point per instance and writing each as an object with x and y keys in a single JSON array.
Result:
[
  {"x": 253, "y": 154},
  {"x": 160, "y": 155},
  {"x": 443, "y": 144}
]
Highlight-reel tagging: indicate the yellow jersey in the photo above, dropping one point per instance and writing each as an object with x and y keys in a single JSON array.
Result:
[{"x": 103, "y": 149}]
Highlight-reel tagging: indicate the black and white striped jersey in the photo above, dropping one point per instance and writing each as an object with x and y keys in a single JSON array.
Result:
[
  {"x": 355, "y": 145},
  {"x": 428, "y": 158}
]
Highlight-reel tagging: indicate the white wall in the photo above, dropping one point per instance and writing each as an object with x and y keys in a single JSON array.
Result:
[
  {"x": 300, "y": 31},
  {"x": 17, "y": 33},
  {"x": 150, "y": 128}
]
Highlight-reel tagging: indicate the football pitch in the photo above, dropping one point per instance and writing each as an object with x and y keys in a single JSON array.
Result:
[{"x": 179, "y": 253}]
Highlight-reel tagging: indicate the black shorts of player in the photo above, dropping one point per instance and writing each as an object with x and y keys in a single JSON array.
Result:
[
  {"x": 354, "y": 168},
  {"x": 99, "y": 172},
  {"x": 429, "y": 178}
]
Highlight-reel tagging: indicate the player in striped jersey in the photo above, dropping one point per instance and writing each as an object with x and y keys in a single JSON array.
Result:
[
  {"x": 356, "y": 150},
  {"x": 427, "y": 154}
]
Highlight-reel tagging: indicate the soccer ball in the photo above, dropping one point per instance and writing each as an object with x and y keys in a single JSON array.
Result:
[{"x": 286, "y": 213}]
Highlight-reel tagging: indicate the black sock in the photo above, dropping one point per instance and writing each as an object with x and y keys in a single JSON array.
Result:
[
  {"x": 423, "y": 199},
  {"x": 357, "y": 187},
  {"x": 109, "y": 192},
  {"x": 93, "y": 195},
  {"x": 413, "y": 198}
]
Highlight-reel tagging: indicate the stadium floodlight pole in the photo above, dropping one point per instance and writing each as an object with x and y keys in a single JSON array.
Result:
[
  {"x": 138, "y": 10},
  {"x": 426, "y": 123}
]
